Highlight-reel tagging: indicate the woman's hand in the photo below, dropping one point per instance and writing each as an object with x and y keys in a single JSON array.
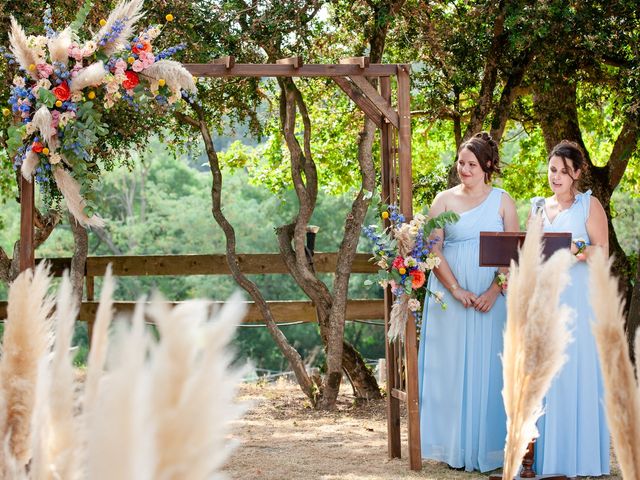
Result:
[
  {"x": 465, "y": 297},
  {"x": 485, "y": 301}
]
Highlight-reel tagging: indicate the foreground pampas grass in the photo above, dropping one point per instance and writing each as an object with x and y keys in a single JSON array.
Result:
[
  {"x": 622, "y": 398},
  {"x": 151, "y": 409},
  {"x": 535, "y": 340}
]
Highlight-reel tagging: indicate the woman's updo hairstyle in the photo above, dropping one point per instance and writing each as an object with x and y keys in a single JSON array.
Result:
[
  {"x": 569, "y": 152},
  {"x": 485, "y": 149}
]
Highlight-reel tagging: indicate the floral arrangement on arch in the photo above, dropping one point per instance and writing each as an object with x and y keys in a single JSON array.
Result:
[
  {"x": 403, "y": 251},
  {"x": 64, "y": 84}
]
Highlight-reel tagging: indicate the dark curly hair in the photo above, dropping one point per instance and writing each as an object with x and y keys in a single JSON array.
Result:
[
  {"x": 569, "y": 152},
  {"x": 485, "y": 149}
]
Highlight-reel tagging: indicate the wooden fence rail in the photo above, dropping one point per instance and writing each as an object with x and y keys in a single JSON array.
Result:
[{"x": 182, "y": 265}]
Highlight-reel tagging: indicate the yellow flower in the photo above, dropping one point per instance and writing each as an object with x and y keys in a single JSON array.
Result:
[
  {"x": 103, "y": 22},
  {"x": 385, "y": 215},
  {"x": 45, "y": 151},
  {"x": 162, "y": 82},
  {"x": 91, "y": 95},
  {"x": 169, "y": 17},
  {"x": 131, "y": 59},
  {"x": 58, "y": 103},
  {"x": 6, "y": 112},
  {"x": 402, "y": 270},
  {"x": 32, "y": 67}
]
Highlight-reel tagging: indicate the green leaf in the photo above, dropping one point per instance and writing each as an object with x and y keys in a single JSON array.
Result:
[
  {"x": 81, "y": 15},
  {"x": 46, "y": 97},
  {"x": 440, "y": 221},
  {"x": 15, "y": 138}
]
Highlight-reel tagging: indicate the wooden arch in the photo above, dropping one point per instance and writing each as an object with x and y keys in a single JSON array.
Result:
[{"x": 351, "y": 76}]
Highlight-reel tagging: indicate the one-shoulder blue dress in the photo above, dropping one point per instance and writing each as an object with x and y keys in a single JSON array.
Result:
[
  {"x": 462, "y": 417},
  {"x": 574, "y": 438}
]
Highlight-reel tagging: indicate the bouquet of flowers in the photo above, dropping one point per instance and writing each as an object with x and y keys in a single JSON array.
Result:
[
  {"x": 63, "y": 85},
  {"x": 403, "y": 252}
]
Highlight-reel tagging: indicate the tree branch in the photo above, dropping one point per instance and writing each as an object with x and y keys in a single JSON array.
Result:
[{"x": 623, "y": 148}]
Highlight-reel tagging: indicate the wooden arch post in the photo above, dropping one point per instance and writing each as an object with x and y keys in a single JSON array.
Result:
[{"x": 351, "y": 75}]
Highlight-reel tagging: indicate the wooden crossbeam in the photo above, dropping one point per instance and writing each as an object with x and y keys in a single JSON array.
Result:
[
  {"x": 376, "y": 99},
  {"x": 362, "y": 62},
  {"x": 295, "y": 62},
  {"x": 228, "y": 61},
  {"x": 279, "y": 70},
  {"x": 360, "y": 100},
  {"x": 213, "y": 264},
  {"x": 283, "y": 311}
]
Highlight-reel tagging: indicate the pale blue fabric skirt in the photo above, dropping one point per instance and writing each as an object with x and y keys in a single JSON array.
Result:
[
  {"x": 462, "y": 418},
  {"x": 574, "y": 438}
]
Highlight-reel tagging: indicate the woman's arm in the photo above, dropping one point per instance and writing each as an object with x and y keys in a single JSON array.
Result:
[{"x": 598, "y": 230}]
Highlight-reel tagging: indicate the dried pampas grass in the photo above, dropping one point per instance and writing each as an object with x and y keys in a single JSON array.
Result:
[
  {"x": 622, "y": 398},
  {"x": 42, "y": 122},
  {"x": 27, "y": 339},
  {"x": 59, "y": 47},
  {"x": 535, "y": 340},
  {"x": 127, "y": 12},
  {"x": 176, "y": 76},
  {"x": 25, "y": 56},
  {"x": 158, "y": 410},
  {"x": 70, "y": 190},
  {"x": 29, "y": 164},
  {"x": 87, "y": 77}
]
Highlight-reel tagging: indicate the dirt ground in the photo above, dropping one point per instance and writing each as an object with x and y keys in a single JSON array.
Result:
[{"x": 281, "y": 437}]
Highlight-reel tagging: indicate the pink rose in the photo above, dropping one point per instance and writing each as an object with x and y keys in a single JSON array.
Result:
[
  {"x": 44, "y": 70},
  {"x": 137, "y": 66},
  {"x": 75, "y": 52},
  {"x": 120, "y": 66},
  {"x": 398, "y": 262}
]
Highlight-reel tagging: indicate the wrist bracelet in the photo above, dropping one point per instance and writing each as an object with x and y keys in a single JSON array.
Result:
[{"x": 453, "y": 287}]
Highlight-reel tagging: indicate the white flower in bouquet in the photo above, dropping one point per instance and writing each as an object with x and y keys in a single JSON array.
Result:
[
  {"x": 414, "y": 304},
  {"x": 410, "y": 262},
  {"x": 432, "y": 261}
]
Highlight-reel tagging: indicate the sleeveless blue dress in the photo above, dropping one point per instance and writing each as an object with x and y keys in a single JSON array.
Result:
[
  {"x": 574, "y": 437},
  {"x": 462, "y": 417}
]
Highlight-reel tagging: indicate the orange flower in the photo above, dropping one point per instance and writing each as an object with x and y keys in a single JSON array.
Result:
[
  {"x": 62, "y": 92},
  {"x": 143, "y": 46},
  {"x": 417, "y": 279},
  {"x": 37, "y": 147}
]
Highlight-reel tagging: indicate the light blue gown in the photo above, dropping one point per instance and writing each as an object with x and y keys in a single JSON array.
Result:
[
  {"x": 462, "y": 418},
  {"x": 574, "y": 438}
]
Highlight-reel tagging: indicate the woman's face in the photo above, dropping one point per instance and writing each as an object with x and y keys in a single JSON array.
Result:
[
  {"x": 561, "y": 177},
  {"x": 470, "y": 172}
]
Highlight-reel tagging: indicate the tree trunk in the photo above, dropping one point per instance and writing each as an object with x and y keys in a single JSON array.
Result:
[
  {"x": 79, "y": 259},
  {"x": 309, "y": 388},
  {"x": 633, "y": 319}
]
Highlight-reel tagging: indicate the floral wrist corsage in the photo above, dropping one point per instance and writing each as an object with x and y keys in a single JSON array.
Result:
[
  {"x": 502, "y": 281},
  {"x": 581, "y": 246}
]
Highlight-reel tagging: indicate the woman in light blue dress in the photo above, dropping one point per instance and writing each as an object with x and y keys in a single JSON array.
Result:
[
  {"x": 574, "y": 438},
  {"x": 462, "y": 418}
]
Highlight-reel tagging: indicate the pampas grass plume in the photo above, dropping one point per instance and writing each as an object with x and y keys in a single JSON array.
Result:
[
  {"x": 87, "y": 77},
  {"x": 27, "y": 338},
  {"x": 176, "y": 76},
  {"x": 128, "y": 12},
  {"x": 70, "y": 190},
  {"x": 25, "y": 56},
  {"x": 621, "y": 394},
  {"x": 29, "y": 164},
  {"x": 59, "y": 47}
]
